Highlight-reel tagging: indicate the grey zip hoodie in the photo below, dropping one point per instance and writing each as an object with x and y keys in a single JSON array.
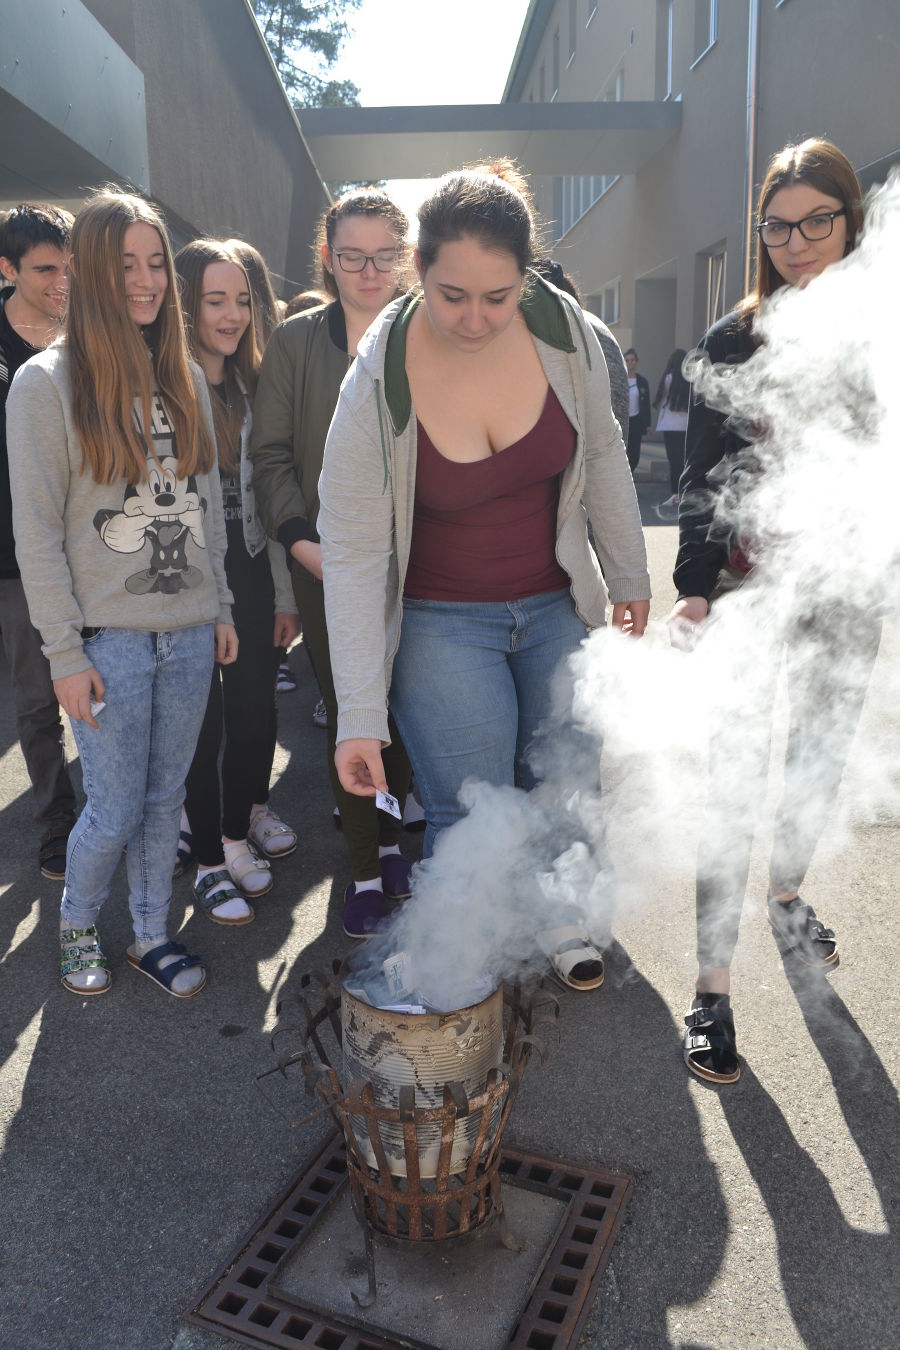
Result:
[
  {"x": 148, "y": 557},
  {"x": 367, "y": 496}
]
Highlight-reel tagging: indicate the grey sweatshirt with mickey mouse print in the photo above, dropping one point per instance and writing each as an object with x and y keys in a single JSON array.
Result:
[{"x": 149, "y": 557}]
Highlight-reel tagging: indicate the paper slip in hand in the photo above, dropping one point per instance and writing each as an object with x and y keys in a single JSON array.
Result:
[
  {"x": 96, "y": 707},
  {"x": 385, "y": 802}
]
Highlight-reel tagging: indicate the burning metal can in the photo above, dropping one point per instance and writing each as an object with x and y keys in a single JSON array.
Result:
[{"x": 424, "y": 1051}]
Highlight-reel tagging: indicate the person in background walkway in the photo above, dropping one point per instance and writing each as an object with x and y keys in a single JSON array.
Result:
[
  {"x": 471, "y": 441},
  {"x": 234, "y": 831},
  {"x": 639, "y": 416},
  {"x": 672, "y": 399},
  {"x": 120, "y": 536},
  {"x": 34, "y": 256},
  {"x": 361, "y": 248},
  {"x": 810, "y": 216}
]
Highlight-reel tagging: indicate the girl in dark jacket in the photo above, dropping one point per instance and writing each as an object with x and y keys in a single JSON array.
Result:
[{"x": 810, "y": 215}]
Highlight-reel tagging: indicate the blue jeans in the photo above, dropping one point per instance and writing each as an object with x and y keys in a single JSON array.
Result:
[
  {"x": 470, "y": 688},
  {"x": 133, "y": 768}
]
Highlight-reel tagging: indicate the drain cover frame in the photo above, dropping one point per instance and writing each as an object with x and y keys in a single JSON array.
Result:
[{"x": 240, "y": 1303}]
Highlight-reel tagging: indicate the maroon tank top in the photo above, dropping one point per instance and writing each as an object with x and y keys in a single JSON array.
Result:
[{"x": 486, "y": 531}]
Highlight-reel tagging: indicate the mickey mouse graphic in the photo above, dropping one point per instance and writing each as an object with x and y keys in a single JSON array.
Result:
[{"x": 163, "y": 511}]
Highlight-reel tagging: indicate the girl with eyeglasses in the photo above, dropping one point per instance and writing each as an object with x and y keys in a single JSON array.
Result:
[
  {"x": 361, "y": 254},
  {"x": 472, "y": 442},
  {"x": 121, "y": 540},
  {"x": 810, "y": 216}
]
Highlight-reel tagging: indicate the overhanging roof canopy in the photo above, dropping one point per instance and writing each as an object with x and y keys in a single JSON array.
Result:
[
  {"x": 367, "y": 144},
  {"x": 71, "y": 103}
]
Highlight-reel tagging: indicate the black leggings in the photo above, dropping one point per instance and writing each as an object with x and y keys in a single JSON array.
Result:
[
  {"x": 365, "y": 827},
  {"x": 242, "y": 703},
  {"x": 827, "y": 684}
]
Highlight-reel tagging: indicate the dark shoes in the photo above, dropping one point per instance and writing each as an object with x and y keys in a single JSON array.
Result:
[
  {"x": 52, "y": 857},
  {"x": 709, "y": 1045},
  {"x": 395, "y": 877},
  {"x": 798, "y": 932},
  {"x": 363, "y": 911}
]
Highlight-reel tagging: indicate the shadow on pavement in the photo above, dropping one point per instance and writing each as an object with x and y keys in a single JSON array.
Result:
[
  {"x": 842, "y": 1284},
  {"x": 615, "y": 1091}
]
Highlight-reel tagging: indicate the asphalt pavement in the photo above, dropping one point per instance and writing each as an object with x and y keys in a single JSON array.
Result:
[{"x": 137, "y": 1148}]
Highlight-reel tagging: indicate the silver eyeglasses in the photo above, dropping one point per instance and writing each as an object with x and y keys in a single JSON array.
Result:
[
  {"x": 352, "y": 260},
  {"x": 777, "y": 233}
]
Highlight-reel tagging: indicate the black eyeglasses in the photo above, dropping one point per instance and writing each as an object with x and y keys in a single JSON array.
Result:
[
  {"x": 777, "y": 233},
  {"x": 351, "y": 260}
]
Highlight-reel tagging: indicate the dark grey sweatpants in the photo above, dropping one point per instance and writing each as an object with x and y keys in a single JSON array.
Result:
[{"x": 37, "y": 714}]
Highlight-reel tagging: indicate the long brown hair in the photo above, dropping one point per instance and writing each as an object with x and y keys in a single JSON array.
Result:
[
  {"x": 112, "y": 362},
  {"x": 266, "y": 305},
  {"x": 191, "y": 263},
  {"x": 357, "y": 202},
  {"x": 824, "y": 167}
]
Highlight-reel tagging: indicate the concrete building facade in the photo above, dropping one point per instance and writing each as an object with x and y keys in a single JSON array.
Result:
[
  {"x": 661, "y": 253},
  {"x": 181, "y": 100}
]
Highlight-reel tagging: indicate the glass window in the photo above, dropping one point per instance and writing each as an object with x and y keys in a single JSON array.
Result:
[
  {"x": 609, "y": 303},
  {"x": 555, "y": 64},
  {"x": 706, "y": 25},
  {"x": 715, "y": 287},
  {"x": 573, "y": 25}
]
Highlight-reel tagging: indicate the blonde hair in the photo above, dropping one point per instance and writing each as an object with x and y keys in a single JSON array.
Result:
[
  {"x": 112, "y": 361},
  {"x": 191, "y": 263}
]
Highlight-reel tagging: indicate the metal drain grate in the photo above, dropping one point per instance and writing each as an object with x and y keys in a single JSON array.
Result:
[{"x": 240, "y": 1303}]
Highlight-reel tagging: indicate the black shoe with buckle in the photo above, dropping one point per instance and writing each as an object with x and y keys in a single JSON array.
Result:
[
  {"x": 798, "y": 932},
  {"x": 709, "y": 1045}
]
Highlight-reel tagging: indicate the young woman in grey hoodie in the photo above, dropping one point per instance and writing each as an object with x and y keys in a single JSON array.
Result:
[
  {"x": 472, "y": 440},
  {"x": 118, "y": 516}
]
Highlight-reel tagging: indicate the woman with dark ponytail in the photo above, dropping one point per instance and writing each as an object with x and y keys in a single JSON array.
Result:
[{"x": 471, "y": 442}]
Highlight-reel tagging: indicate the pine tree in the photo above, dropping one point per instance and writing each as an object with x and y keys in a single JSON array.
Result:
[{"x": 298, "y": 30}]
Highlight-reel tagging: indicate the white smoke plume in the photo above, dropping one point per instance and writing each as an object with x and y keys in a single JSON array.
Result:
[{"x": 625, "y": 758}]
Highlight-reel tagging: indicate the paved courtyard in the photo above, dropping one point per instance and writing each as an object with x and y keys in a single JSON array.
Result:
[{"x": 135, "y": 1148}]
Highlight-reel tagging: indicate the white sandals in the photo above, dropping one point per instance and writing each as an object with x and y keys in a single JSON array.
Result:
[
  {"x": 574, "y": 959},
  {"x": 270, "y": 835}
]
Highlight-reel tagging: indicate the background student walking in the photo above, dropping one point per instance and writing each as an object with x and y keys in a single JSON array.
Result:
[{"x": 639, "y": 416}]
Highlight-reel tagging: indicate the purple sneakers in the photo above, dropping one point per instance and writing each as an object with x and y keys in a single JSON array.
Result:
[
  {"x": 363, "y": 911},
  {"x": 395, "y": 872}
]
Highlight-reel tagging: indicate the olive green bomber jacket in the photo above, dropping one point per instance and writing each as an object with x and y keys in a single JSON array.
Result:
[{"x": 299, "y": 382}]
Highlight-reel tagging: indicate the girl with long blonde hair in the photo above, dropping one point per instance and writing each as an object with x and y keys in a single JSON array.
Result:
[
  {"x": 121, "y": 541},
  {"x": 232, "y": 830}
]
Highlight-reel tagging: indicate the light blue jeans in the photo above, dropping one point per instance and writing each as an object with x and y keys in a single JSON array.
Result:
[
  {"x": 133, "y": 767},
  {"x": 470, "y": 688}
]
